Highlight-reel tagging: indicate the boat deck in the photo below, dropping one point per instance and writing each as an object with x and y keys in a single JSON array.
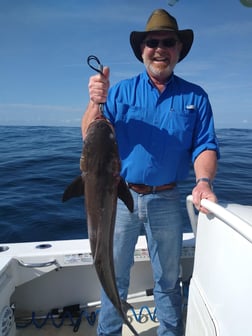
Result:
[{"x": 147, "y": 327}]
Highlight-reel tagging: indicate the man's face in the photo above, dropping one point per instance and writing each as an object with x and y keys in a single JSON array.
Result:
[{"x": 160, "y": 53}]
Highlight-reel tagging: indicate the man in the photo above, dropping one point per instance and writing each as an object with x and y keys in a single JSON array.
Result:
[{"x": 162, "y": 123}]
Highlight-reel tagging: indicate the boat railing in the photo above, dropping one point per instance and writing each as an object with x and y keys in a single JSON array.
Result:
[
  {"x": 237, "y": 223},
  {"x": 193, "y": 216}
]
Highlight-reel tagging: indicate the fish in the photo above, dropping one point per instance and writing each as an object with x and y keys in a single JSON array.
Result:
[{"x": 101, "y": 184}]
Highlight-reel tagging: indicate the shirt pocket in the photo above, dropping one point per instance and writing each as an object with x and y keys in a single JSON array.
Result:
[
  {"x": 181, "y": 124},
  {"x": 125, "y": 112}
]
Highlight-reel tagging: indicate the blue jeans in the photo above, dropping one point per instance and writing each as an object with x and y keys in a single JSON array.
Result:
[{"x": 160, "y": 214}]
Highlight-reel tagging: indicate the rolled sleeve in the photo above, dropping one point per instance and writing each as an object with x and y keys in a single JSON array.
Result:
[{"x": 205, "y": 137}]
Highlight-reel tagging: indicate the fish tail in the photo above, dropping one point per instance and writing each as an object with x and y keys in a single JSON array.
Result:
[
  {"x": 130, "y": 326},
  {"x": 125, "y": 307}
]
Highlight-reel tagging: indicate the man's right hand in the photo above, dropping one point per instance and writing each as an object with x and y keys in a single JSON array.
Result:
[{"x": 98, "y": 87}]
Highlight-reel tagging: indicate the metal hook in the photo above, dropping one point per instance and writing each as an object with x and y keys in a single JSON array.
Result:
[{"x": 98, "y": 67}]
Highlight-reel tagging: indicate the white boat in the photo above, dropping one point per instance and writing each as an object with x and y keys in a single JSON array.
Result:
[
  {"x": 220, "y": 293},
  {"x": 51, "y": 288}
]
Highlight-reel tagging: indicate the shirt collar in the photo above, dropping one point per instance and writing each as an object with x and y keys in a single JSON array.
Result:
[{"x": 147, "y": 78}]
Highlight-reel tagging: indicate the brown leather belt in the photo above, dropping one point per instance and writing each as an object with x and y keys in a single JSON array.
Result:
[{"x": 145, "y": 189}]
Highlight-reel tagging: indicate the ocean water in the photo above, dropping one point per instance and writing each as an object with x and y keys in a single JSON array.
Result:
[{"x": 37, "y": 163}]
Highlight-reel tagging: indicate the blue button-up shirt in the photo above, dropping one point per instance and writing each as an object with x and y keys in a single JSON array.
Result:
[{"x": 159, "y": 134}]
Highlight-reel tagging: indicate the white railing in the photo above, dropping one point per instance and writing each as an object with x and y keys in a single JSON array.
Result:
[{"x": 237, "y": 223}]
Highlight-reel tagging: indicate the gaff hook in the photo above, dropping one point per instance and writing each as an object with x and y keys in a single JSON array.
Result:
[{"x": 98, "y": 67}]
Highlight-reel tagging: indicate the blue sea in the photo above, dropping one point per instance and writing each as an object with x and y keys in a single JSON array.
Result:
[{"x": 37, "y": 163}]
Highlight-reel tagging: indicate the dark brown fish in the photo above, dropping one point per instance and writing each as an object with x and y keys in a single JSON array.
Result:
[{"x": 101, "y": 185}]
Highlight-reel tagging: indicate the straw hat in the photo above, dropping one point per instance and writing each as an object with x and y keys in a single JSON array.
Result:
[{"x": 160, "y": 20}]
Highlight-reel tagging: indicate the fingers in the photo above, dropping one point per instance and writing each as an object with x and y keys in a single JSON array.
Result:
[
  {"x": 202, "y": 191},
  {"x": 98, "y": 87}
]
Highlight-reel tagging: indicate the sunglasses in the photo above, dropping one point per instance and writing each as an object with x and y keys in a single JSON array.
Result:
[{"x": 166, "y": 43}]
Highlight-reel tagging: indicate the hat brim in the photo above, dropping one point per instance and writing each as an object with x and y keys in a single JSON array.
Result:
[{"x": 185, "y": 36}]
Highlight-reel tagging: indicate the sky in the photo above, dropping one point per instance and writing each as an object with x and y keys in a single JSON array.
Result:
[{"x": 44, "y": 45}]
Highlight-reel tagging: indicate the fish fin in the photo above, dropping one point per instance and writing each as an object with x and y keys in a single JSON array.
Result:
[
  {"x": 125, "y": 195},
  {"x": 75, "y": 189}
]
